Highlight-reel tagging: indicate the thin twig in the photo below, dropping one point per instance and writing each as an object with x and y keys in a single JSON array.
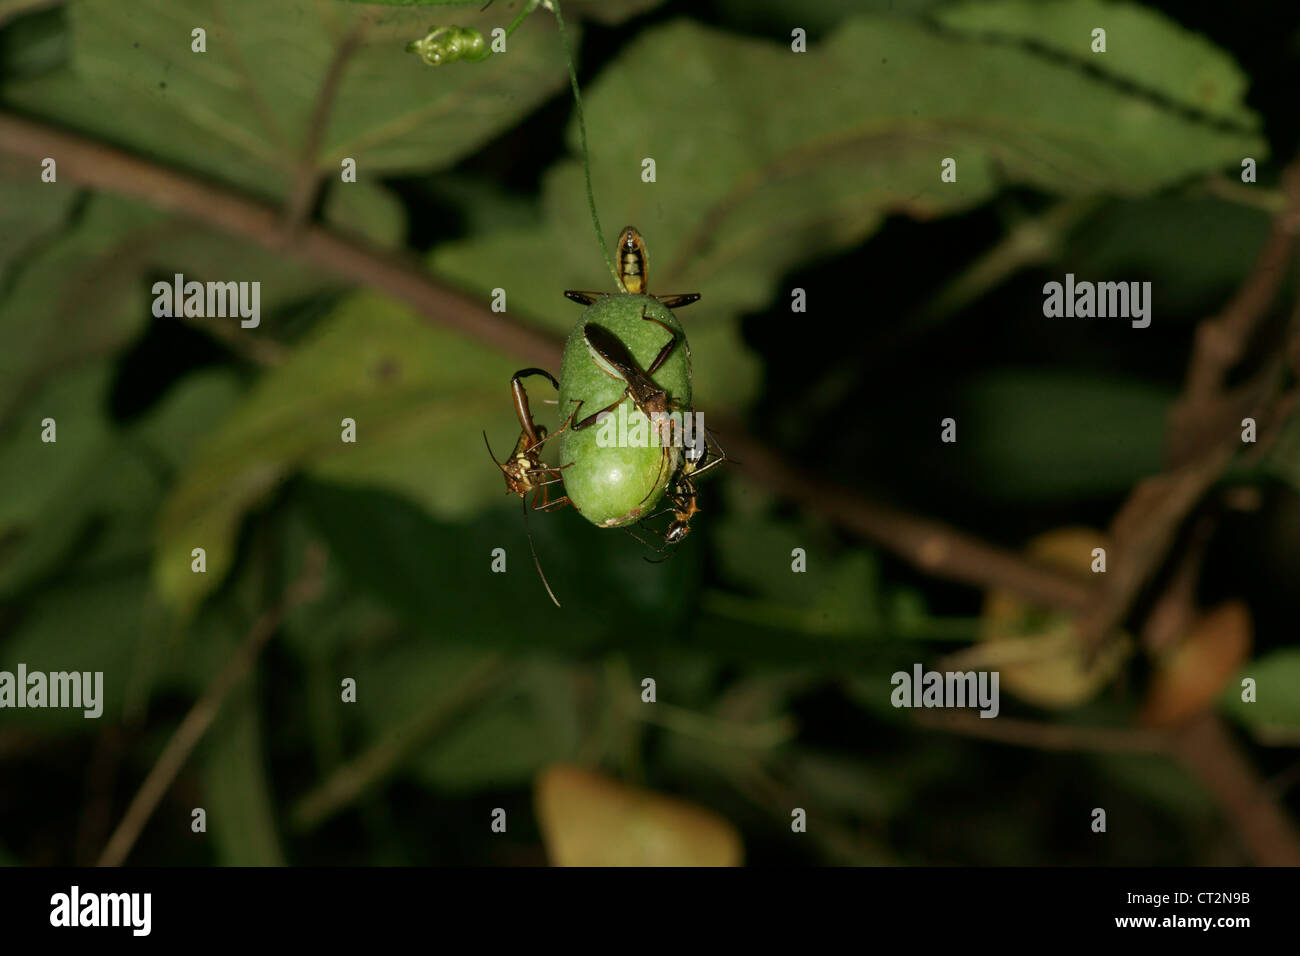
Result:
[
  {"x": 933, "y": 547},
  {"x": 309, "y": 177},
  {"x": 1210, "y": 753},
  {"x": 103, "y": 167},
  {"x": 1202, "y": 438},
  {"x": 1203, "y": 746},
  {"x": 363, "y": 772},
  {"x": 205, "y": 710},
  {"x": 1043, "y": 736}
]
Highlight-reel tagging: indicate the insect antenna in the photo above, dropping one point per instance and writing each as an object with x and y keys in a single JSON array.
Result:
[{"x": 531, "y": 547}]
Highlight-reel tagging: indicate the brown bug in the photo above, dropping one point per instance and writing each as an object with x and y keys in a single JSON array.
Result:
[
  {"x": 524, "y": 470},
  {"x": 634, "y": 271}
]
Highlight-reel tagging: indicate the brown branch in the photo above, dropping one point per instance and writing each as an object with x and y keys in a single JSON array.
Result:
[
  {"x": 1222, "y": 340},
  {"x": 1174, "y": 611},
  {"x": 205, "y": 710},
  {"x": 309, "y": 181},
  {"x": 1202, "y": 438},
  {"x": 1043, "y": 736},
  {"x": 931, "y": 546},
  {"x": 1204, "y": 748},
  {"x": 1211, "y": 754},
  {"x": 104, "y": 167}
]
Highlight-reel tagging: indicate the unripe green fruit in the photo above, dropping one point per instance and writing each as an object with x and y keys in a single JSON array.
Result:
[{"x": 612, "y": 486}]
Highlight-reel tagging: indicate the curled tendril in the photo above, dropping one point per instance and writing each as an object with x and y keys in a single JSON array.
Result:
[{"x": 448, "y": 44}]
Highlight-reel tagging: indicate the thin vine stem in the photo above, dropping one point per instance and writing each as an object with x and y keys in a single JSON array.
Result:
[
  {"x": 554, "y": 7},
  {"x": 523, "y": 15}
]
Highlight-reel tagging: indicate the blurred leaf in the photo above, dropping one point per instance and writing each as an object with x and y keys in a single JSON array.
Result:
[
  {"x": 1038, "y": 650},
  {"x": 506, "y": 740},
  {"x": 588, "y": 819},
  {"x": 75, "y": 401},
  {"x": 1159, "y": 780},
  {"x": 407, "y": 697},
  {"x": 846, "y": 785},
  {"x": 394, "y": 550},
  {"x": 1143, "y": 46},
  {"x": 96, "y": 477},
  {"x": 840, "y": 595},
  {"x": 416, "y": 3},
  {"x": 30, "y": 211},
  {"x": 243, "y": 111},
  {"x": 1282, "y": 460},
  {"x": 608, "y": 12},
  {"x": 1194, "y": 250},
  {"x": 237, "y": 796},
  {"x": 107, "y": 257},
  {"x": 605, "y": 11},
  {"x": 89, "y": 625},
  {"x": 98, "y": 261},
  {"x": 367, "y": 209},
  {"x": 33, "y": 40},
  {"x": 753, "y": 15},
  {"x": 1276, "y": 708},
  {"x": 1028, "y": 434},
  {"x": 1188, "y": 678},
  {"x": 420, "y": 397}
]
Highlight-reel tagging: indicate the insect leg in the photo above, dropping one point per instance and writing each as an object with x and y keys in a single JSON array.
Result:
[
  {"x": 679, "y": 300},
  {"x": 591, "y": 419},
  {"x": 522, "y": 410},
  {"x": 668, "y": 346},
  {"x": 584, "y": 298}
]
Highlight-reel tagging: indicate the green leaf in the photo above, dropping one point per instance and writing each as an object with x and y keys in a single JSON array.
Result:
[
  {"x": 107, "y": 257},
  {"x": 33, "y": 39},
  {"x": 245, "y": 112},
  {"x": 1276, "y": 709},
  {"x": 238, "y": 800},
  {"x": 394, "y": 550},
  {"x": 1143, "y": 46},
  {"x": 366, "y": 209},
  {"x": 767, "y": 16},
  {"x": 94, "y": 472},
  {"x": 420, "y": 398},
  {"x": 1194, "y": 250},
  {"x": 97, "y": 261},
  {"x": 509, "y": 738},
  {"x": 416, "y": 3},
  {"x": 30, "y": 210},
  {"x": 95, "y": 625},
  {"x": 1043, "y": 435},
  {"x": 1282, "y": 460},
  {"x": 605, "y": 11}
]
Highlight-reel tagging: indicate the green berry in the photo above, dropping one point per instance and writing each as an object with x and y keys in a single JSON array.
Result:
[{"x": 613, "y": 485}]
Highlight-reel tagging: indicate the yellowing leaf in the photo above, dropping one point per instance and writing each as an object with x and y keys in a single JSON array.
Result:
[
  {"x": 588, "y": 819},
  {"x": 1038, "y": 651}
]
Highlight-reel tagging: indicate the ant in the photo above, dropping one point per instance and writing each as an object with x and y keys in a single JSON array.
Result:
[{"x": 682, "y": 495}]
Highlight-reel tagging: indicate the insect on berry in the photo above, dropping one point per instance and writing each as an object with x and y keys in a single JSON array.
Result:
[
  {"x": 524, "y": 470},
  {"x": 626, "y": 357}
]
